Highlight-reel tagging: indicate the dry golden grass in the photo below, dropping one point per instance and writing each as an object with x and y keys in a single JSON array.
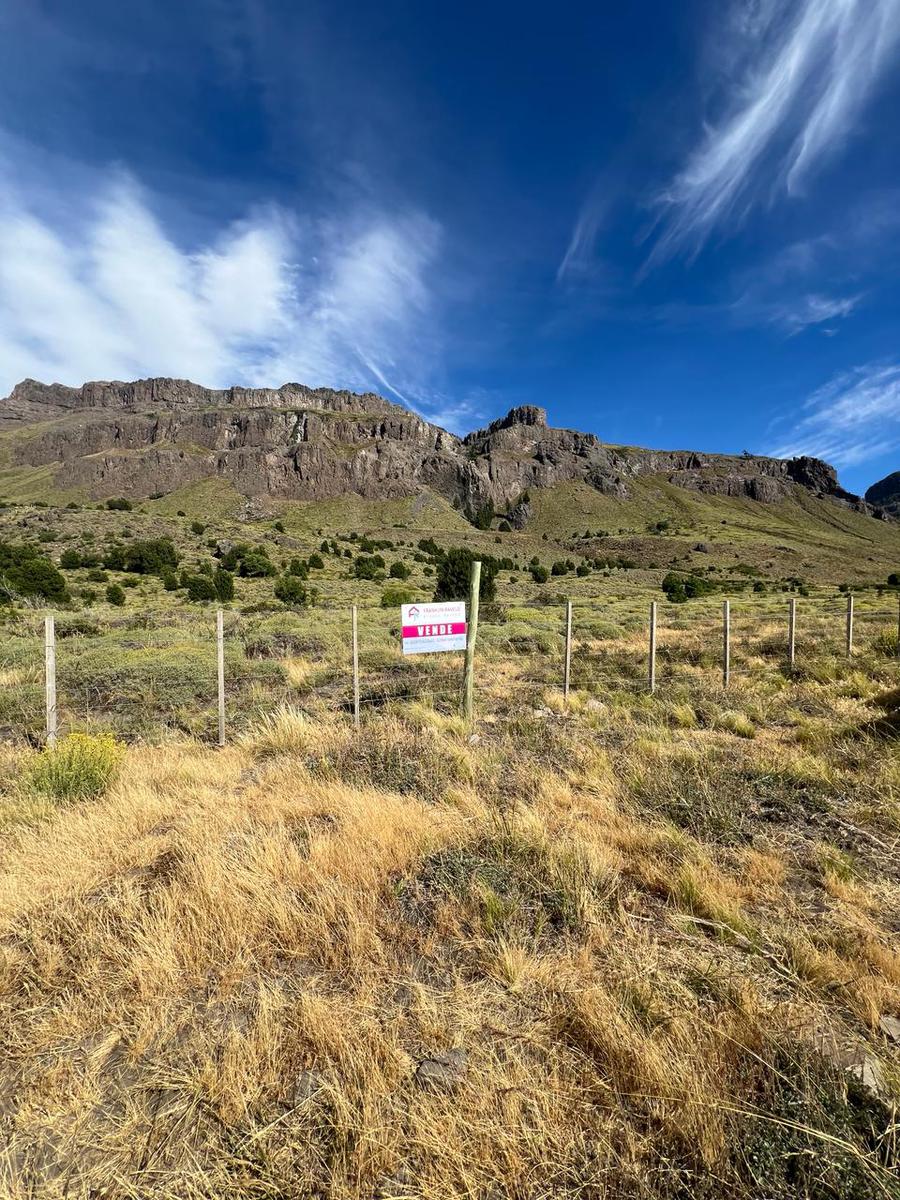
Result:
[{"x": 620, "y": 933}]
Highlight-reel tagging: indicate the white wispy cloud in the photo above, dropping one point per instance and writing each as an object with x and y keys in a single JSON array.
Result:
[
  {"x": 794, "y": 314},
  {"x": 579, "y": 258},
  {"x": 852, "y": 419},
  {"x": 805, "y": 72},
  {"x": 105, "y": 290}
]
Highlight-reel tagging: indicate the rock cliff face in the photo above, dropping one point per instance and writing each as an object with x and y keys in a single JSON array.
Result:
[
  {"x": 294, "y": 442},
  {"x": 885, "y": 494}
]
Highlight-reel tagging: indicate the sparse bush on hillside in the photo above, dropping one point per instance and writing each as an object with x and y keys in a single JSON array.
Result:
[
  {"x": 81, "y": 766},
  {"x": 368, "y": 566},
  {"x": 115, "y": 595},
  {"x": 482, "y": 517},
  {"x": 397, "y": 594},
  {"x": 292, "y": 591},
  {"x": 249, "y": 562},
  {"x": 454, "y": 570},
  {"x": 151, "y": 557},
  {"x": 200, "y": 588},
  {"x": 255, "y": 565},
  {"x": 223, "y": 581},
  {"x": 119, "y": 504},
  {"x": 25, "y": 573},
  {"x": 679, "y": 588}
]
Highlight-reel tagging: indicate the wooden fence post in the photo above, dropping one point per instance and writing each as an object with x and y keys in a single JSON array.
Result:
[
  {"x": 849, "y": 624},
  {"x": 898, "y": 624},
  {"x": 50, "y": 678},
  {"x": 567, "y": 674},
  {"x": 726, "y": 643},
  {"x": 355, "y": 635},
  {"x": 792, "y": 631},
  {"x": 220, "y": 671},
  {"x": 652, "y": 646},
  {"x": 471, "y": 635}
]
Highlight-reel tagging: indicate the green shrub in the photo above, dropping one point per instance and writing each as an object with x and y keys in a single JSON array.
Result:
[
  {"x": 119, "y": 505},
  {"x": 81, "y": 767},
  {"x": 223, "y": 581},
  {"x": 679, "y": 588},
  {"x": 115, "y": 595},
  {"x": 316, "y": 562},
  {"x": 453, "y": 575},
  {"x": 201, "y": 587},
  {"x": 256, "y": 565},
  {"x": 399, "y": 570},
  {"x": 291, "y": 590},
  {"x": 397, "y": 594},
  {"x": 482, "y": 517},
  {"x": 154, "y": 556},
  {"x": 24, "y": 571},
  {"x": 367, "y": 566}
]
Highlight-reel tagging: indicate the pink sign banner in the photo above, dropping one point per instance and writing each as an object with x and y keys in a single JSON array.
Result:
[
  {"x": 433, "y": 628},
  {"x": 439, "y": 630}
]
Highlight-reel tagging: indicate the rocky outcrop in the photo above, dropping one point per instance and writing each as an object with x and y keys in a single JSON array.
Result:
[
  {"x": 294, "y": 442},
  {"x": 885, "y": 495}
]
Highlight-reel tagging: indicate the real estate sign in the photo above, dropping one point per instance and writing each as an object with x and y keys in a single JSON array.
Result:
[{"x": 435, "y": 627}]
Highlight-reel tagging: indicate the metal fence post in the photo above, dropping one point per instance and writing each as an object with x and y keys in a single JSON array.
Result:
[
  {"x": 849, "y": 624},
  {"x": 652, "y": 679}
]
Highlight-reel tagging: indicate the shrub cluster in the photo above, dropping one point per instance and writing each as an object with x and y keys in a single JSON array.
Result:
[
  {"x": 25, "y": 572},
  {"x": 81, "y": 767}
]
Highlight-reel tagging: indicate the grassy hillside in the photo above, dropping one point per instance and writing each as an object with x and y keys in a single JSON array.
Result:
[{"x": 802, "y": 535}]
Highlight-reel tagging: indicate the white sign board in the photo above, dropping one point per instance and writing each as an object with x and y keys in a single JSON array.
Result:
[{"x": 435, "y": 627}]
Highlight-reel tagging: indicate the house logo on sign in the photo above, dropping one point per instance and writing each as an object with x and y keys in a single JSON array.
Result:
[{"x": 413, "y": 611}]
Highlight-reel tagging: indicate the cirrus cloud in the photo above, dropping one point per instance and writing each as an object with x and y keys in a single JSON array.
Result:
[
  {"x": 806, "y": 71},
  {"x": 852, "y": 419}
]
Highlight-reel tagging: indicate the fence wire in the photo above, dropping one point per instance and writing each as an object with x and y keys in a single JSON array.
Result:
[{"x": 149, "y": 672}]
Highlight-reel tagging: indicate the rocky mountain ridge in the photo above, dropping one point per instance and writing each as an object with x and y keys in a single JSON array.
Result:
[
  {"x": 155, "y": 435},
  {"x": 885, "y": 494}
]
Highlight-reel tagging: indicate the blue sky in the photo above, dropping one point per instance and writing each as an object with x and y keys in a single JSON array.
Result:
[{"x": 674, "y": 225}]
